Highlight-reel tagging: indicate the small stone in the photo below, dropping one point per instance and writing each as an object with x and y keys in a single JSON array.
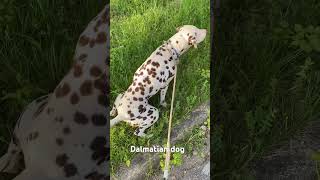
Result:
[
  {"x": 203, "y": 127},
  {"x": 195, "y": 153},
  {"x": 206, "y": 169}
]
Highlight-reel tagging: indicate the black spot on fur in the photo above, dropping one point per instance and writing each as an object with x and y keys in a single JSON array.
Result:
[
  {"x": 61, "y": 160},
  {"x": 156, "y": 64},
  {"x": 80, "y": 118},
  {"x": 170, "y": 74},
  {"x": 33, "y": 136},
  {"x": 99, "y": 120},
  {"x": 95, "y": 176},
  {"x": 15, "y": 139},
  {"x": 59, "y": 141},
  {"x": 66, "y": 130},
  {"x": 141, "y": 109},
  {"x": 98, "y": 142},
  {"x": 100, "y": 152},
  {"x": 70, "y": 170}
]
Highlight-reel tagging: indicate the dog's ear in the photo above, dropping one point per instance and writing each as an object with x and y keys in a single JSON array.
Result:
[
  {"x": 192, "y": 41},
  {"x": 178, "y": 28}
]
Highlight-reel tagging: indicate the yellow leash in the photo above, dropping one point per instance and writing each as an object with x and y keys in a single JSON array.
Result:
[{"x": 167, "y": 161}]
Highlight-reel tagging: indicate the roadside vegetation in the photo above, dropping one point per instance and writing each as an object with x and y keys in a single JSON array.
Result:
[
  {"x": 266, "y": 81},
  {"x": 137, "y": 29}
]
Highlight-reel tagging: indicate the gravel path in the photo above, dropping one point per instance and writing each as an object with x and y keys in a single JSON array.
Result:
[
  {"x": 292, "y": 159},
  {"x": 193, "y": 167}
]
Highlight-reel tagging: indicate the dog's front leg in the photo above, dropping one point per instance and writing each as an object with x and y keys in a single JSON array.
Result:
[{"x": 163, "y": 93}]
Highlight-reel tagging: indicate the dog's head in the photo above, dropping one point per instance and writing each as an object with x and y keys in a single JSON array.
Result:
[
  {"x": 192, "y": 34},
  {"x": 116, "y": 103}
]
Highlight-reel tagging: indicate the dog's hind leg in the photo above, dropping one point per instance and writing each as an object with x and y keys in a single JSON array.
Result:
[
  {"x": 163, "y": 93},
  {"x": 151, "y": 116},
  {"x": 13, "y": 160}
]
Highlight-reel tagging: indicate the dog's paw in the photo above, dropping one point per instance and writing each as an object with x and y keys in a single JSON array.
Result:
[{"x": 163, "y": 104}]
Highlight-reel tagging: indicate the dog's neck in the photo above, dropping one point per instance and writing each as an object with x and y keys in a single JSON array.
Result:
[{"x": 177, "y": 45}]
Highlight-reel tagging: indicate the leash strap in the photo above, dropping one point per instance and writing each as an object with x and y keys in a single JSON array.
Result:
[{"x": 167, "y": 161}]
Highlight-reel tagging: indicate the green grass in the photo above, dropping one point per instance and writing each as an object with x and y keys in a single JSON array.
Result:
[
  {"x": 38, "y": 39},
  {"x": 265, "y": 87},
  {"x": 137, "y": 29}
]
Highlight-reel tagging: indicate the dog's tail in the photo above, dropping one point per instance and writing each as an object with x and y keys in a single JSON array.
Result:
[{"x": 115, "y": 121}]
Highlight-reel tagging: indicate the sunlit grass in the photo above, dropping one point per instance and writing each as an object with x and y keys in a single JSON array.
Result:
[{"x": 136, "y": 31}]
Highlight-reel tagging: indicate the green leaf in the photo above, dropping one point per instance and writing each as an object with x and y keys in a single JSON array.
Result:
[
  {"x": 297, "y": 27},
  {"x": 284, "y": 24},
  {"x": 315, "y": 42},
  {"x": 304, "y": 45},
  {"x": 128, "y": 162},
  {"x": 316, "y": 156},
  {"x": 308, "y": 62},
  {"x": 299, "y": 36},
  {"x": 317, "y": 30},
  {"x": 295, "y": 43},
  {"x": 310, "y": 29}
]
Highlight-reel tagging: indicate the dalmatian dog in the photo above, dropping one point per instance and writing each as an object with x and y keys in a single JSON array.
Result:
[
  {"x": 63, "y": 135},
  {"x": 152, "y": 76}
]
